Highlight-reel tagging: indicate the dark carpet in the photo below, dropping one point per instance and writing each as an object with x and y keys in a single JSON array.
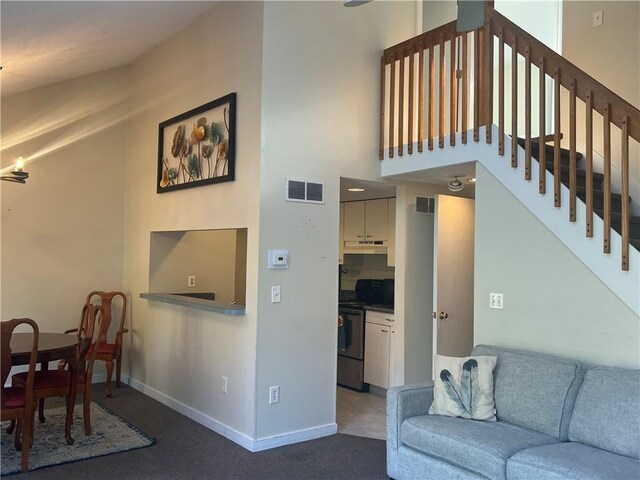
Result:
[{"x": 186, "y": 450}]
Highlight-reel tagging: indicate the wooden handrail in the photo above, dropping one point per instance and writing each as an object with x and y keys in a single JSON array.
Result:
[{"x": 619, "y": 107}]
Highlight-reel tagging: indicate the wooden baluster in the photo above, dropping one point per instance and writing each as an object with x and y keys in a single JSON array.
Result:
[
  {"x": 573, "y": 168},
  {"x": 501, "y": 93},
  {"x": 401, "y": 108},
  {"x": 527, "y": 114},
  {"x": 606, "y": 122},
  {"x": 441, "y": 99},
  {"x": 556, "y": 141},
  {"x": 542, "y": 153},
  {"x": 411, "y": 87},
  {"x": 589, "y": 162},
  {"x": 382, "y": 92},
  {"x": 625, "y": 192},
  {"x": 476, "y": 86},
  {"x": 432, "y": 87},
  {"x": 392, "y": 101},
  {"x": 420, "y": 98},
  {"x": 453, "y": 83},
  {"x": 488, "y": 66},
  {"x": 514, "y": 103},
  {"x": 465, "y": 87}
]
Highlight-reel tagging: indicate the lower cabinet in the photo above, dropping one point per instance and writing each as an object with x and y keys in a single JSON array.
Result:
[
  {"x": 376, "y": 354},
  {"x": 382, "y": 353}
]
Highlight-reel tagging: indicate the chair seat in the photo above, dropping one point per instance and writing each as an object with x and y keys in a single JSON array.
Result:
[
  {"x": 45, "y": 379},
  {"x": 105, "y": 348},
  {"x": 13, "y": 397}
]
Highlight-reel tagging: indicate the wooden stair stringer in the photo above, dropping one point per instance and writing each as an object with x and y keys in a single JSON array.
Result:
[{"x": 607, "y": 267}]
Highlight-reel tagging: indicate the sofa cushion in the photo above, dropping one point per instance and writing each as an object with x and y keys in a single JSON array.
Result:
[
  {"x": 571, "y": 460},
  {"x": 607, "y": 411},
  {"x": 482, "y": 447},
  {"x": 463, "y": 387},
  {"x": 533, "y": 390}
]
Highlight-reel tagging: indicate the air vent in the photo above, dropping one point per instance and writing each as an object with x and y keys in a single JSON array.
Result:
[
  {"x": 425, "y": 205},
  {"x": 305, "y": 192}
]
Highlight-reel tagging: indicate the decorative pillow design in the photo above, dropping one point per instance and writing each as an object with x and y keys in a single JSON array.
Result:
[{"x": 463, "y": 387}]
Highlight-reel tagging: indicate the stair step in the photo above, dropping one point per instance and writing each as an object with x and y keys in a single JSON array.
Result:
[
  {"x": 598, "y": 199},
  {"x": 634, "y": 224},
  {"x": 598, "y": 178},
  {"x": 549, "y": 151}
]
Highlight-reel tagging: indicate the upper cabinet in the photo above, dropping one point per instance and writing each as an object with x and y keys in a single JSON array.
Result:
[
  {"x": 366, "y": 226},
  {"x": 366, "y": 221}
]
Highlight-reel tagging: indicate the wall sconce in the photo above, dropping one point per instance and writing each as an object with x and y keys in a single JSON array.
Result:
[{"x": 18, "y": 175}]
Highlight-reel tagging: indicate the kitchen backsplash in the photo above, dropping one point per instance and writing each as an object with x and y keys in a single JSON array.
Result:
[{"x": 357, "y": 266}]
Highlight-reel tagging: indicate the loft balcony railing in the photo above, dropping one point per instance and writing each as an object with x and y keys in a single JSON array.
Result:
[{"x": 440, "y": 81}]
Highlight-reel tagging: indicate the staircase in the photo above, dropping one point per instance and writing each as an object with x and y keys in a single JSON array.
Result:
[{"x": 598, "y": 190}]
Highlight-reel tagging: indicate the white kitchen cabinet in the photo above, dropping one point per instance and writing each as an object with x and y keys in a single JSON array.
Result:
[
  {"x": 375, "y": 219},
  {"x": 366, "y": 221},
  {"x": 376, "y": 355},
  {"x": 391, "y": 233},
  {"x": 383, "y": 351},
  {"x": 341, "y": 236}
]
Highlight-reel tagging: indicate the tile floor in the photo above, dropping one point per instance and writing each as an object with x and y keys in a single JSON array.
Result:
[{"x": 361, "y": 414}]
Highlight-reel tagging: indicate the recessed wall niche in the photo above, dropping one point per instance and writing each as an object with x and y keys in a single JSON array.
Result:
[{"x": 216, "y": 258}]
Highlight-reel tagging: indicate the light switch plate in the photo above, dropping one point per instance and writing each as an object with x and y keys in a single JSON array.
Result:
[{"x": 275, "y": 294}]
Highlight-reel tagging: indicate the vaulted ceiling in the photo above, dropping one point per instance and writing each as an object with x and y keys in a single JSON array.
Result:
[{"x": 44, "y": 42}]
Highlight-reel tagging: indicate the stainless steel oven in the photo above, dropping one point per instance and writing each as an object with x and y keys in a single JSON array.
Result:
[{"x": 351, "y": 348}]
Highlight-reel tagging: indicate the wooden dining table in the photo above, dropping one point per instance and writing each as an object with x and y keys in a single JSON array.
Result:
[{"x": 51, "y": 347}]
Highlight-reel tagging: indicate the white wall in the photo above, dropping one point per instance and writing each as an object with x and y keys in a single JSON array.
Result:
[
  {"x": 611, "y": 54},
  {"x": 62, "y": 232},
  {"x": 319, "y": 119},
  {"x": 179, "y": 354},
  {"x": 552, "y": 302}
]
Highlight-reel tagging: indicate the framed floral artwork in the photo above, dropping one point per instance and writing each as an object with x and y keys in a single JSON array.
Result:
[{"x": 198, "y": 147}]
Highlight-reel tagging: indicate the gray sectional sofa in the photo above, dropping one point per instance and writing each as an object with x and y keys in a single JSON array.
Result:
[{"x": 557, "y": 419}]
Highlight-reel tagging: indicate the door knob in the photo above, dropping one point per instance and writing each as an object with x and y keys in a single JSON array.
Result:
[{"x": 443, "y": 315}]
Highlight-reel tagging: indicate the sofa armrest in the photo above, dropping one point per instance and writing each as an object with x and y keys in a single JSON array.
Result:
[{"x": 402, "y": 403}]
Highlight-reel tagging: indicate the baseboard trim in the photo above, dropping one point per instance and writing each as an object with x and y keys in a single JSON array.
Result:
[
  {"x": 220, "y": 428},
  {"x": 205, "y": 420},
  {"x": 295, "y": 437}
]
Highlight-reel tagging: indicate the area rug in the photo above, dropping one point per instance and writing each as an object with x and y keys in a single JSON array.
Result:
[{"x": 110, "y": 434}]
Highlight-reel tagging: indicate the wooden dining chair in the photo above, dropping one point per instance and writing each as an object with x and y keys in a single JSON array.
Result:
[
  {"x": 57, "y": 383},
  {"x": 110, "y": 352},
  {"x": 18, "y": 401}
]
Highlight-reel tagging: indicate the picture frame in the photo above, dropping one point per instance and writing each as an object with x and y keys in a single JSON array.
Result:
[{"x": 198, "y": 147}]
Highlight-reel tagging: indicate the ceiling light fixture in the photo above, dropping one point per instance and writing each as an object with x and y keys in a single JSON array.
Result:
[
  {"x": 354, "y": 189},
  {"x": 18, "y": 175},
  {"x": 455, "y": 185}
]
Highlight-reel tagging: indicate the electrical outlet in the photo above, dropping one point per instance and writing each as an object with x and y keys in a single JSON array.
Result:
[
  {"x": 225, "y": 384},
  {"x": 275, "y": 294},
  {"x": 274, "y": 394},
  {"x": 496, "y": 300},
  {"x": 191, "y": 281},
  {"x": 598, "y": 18}
]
